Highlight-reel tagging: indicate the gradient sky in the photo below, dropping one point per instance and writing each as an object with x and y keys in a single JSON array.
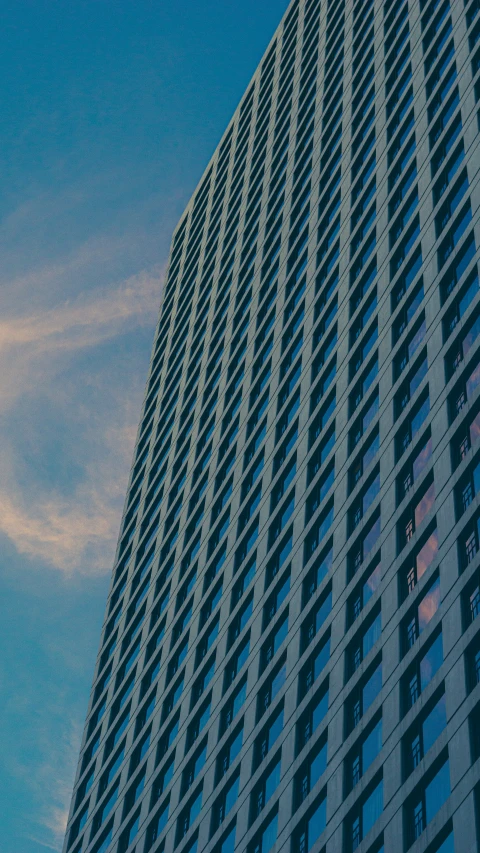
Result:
[{"x": 110, "y": 113}]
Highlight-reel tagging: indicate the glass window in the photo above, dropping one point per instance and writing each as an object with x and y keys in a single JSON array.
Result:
[
  {"x": 431, "y": 662},
  {"x": 268, "y": 836},
  {"x": 317, "y": 823},
  {"x": 372, "y": 808},
  {"x": 437, "y": 792},
  {"x": 434, "y": 724},
  {"x": 372, "y": 688},
  {"x": 371, "y": 746}
]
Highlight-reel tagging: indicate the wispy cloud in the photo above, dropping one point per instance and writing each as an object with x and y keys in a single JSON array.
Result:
[
  {"x": 73, "y": 530},
  {"x": 52, "y": 784}
]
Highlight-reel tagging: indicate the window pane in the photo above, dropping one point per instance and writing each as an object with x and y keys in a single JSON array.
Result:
[
  {"x": 371, "y": 746},
  {"x": 437, "y": 791},
  {"x": 447, "y": 846},
  {"x": 419, "y": 418},
  {"x": 319, "y": 711},
  {"x": 196, "y": 807},
  {"x": 371, "y": 452},
  {"x": 427, "y": 554},
  {"x": 322, "y": 658},
  {"x": 317, "y": 823},
  {"x": 231, "y": 795},
  {"x": 269, "y": 836},
  {"x": 318, "y": 765},
  {"x": 434, "y": 724},
  {"x": 371, "y": 537},
  {"x": 422, "y": 460},
  {"x": 372, "y": 584},
  {"x": 475, "y": 430},
  {"x": 423, "y": 508},
  {"x": 473, "y": 381},
  {"x": 371, "y": 493},
  {"x": 278, "y": 681},
  {"x": 272, "y": 780},
  {"x": 371, "y": 635},
  {"x": 372, "y": 808},
  {"x": 275, "y": 729},
  {"x": 372, "y": 688},
  {"x": 240, "y": 698},
  {"x": 228, "y": 844},
  {"x": 429, "y": 606},
  {"x": 236, "y": 745},
  {"x": 323, "y": 612},
  {"x": 431, "y": 662}
]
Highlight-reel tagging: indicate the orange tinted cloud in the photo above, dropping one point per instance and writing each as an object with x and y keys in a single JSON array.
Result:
[{"x": 77, "y": 531}]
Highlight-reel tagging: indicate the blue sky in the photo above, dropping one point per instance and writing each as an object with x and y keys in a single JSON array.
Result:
[{"x": 110, "y": 112}]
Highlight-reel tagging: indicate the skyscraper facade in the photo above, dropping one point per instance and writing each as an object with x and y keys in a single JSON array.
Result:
[{"x": 290, "y": 658}]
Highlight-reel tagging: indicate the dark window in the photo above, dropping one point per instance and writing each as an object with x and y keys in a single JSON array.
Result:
[
  {"x": 420, "y": 615},
  {"x": 421, "y": 672},
  {"x": 423, "y": 734},
  {"x": 229, "y": 752},
  {"x": 427, "y": 799},
  {"x": 363, "y": 754},
  {"x": 265, "y": 788},
  {"x": 363, "y": 695},
  {"x": 311, "y": 826},
  {"x": 271, "y": 687},
  {"x": 224, "y": 803},
  {"x": 363, "y": 642},
  {"x": 310, "y": 772},
  {"x": 364, "y": 815}
]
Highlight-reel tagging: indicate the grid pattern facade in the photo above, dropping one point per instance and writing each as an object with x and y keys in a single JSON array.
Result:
[{"x": 290, "y": 656}]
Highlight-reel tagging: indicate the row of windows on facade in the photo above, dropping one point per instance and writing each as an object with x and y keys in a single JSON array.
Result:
[
  {"x": 429, "y": 664},
  {"x": 422, "y": 805}
]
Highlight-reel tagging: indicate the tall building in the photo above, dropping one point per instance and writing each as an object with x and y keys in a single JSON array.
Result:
[{"x": 290, "y": 659}]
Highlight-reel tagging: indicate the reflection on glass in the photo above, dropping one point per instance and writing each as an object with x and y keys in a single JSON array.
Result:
[
  {"x": 473, "y": 380},
  {"x": 373, "y": 449},
  {"x": 372, "y": 492},
  {"x": 417, "y": 340},
  {"x": 419, "y": 376},
  {"x": 427, "y": 554},
  {"x": 371, "y": 537},
  {"x": 429, "y": 606},
  {"x": 412, "y": 307},
  {"x": 423, "y": 508},
  {"x": 422, "y": 460},
  {"x": 471, "y": 337},
  {"x": 369, "y": 416},
  {"x": 372, "y": 583},
  {"x": 475, "y": 430},
  {"x": 420, "y": 417}
]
